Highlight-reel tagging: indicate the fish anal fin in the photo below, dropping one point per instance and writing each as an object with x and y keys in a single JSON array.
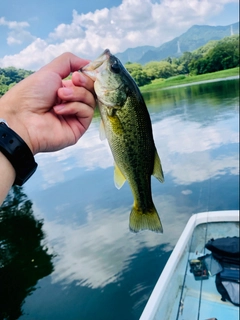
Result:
[
  {"x": 102, "y": 133},
  {"x": 157, "y": 169},
  {"x": 119, "y": 178},
  {"x": 145, "y": 220}
]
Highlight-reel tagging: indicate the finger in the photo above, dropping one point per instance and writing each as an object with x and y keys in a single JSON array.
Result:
[
  {"x": 67, "y": 83},
  {"x": 78, "y": 94},
  {"x": 65, "y": 64},
  {"x": 77, "y": 114},
  {"x": 81, "y": 80}
]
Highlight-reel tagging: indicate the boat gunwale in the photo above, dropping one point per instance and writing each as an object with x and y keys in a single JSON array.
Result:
[{"x": 168, "y": 271}]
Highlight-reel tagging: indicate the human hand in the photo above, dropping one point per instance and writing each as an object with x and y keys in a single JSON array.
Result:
[{"x": 49, "y": 113}]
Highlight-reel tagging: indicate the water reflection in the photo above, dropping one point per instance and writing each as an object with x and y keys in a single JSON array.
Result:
[
  {"x": 90, "y": 153},
  {"x": 23, "y": 258},
  {"x": 189, "y": 148},
  {"x": 86, "y": 217},
  {"x": 95, "y": 253}
]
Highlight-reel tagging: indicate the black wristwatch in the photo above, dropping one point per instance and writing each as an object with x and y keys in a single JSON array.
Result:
[{"x": 17, "y": 152}]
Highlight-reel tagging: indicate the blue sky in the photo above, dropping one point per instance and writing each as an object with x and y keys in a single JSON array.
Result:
[{"x": 34, "y": 32}]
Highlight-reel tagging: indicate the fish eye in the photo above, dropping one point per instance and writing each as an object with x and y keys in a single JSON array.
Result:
[{"x": 115, "y": 67}]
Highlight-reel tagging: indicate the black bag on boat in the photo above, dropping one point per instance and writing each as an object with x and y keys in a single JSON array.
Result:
[{"x": 226, "y": 251}]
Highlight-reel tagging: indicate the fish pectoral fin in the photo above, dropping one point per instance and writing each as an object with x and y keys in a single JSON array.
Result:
[
  {"x": 157, "y": 169},
  {"x": 102, "y": 133},
  {"x": 149, "y": 220},
  {"x": 119, "y": 178}
]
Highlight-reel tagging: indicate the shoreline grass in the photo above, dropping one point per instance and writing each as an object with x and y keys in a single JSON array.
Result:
[{"x": 182, "y": 79}]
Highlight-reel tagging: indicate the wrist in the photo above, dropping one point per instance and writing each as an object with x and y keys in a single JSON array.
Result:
[
  {"x": 8, "y": 113},
  {"x": 6, "y": 170},
  {"x": 7, "y": 174},
  {"x": 17, "y": 152},
  {"x": 20, "y": 130}
]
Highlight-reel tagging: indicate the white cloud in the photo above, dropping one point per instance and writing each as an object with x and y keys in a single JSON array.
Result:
[
  {"x": 96, "y": 253},
  {"x": 90, "y": 152},
  {"x": 186, "y": 192},
  {"x": 13, "y": 40},
  {"x": 188, "y": 132},
  {"x": 17, "y": 34},
  {"x": 188, "y": 161},
  {"x": 30, "y": 56},
  {"x": 67, "y": 31},
  {"x": 117, "y": 28},
  {"x": 13, "y": 24}
]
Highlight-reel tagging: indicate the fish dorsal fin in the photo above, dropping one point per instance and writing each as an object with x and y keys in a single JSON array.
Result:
[
  {"x": 119, "y": 178},
  {"x": 157, "y": 169},
  {"x": 102, "y": 133}
]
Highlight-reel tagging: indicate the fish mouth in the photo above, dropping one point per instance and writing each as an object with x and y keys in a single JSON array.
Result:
[{"x": 91, "y": 68}]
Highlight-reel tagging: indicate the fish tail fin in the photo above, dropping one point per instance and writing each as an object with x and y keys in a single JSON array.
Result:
[{"x": 148, "y": 220}]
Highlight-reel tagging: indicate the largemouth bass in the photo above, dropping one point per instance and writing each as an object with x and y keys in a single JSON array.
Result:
[{"x": 127, "y": 126}]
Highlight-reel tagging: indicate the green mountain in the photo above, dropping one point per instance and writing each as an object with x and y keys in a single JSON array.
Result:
[
  {"x": 134, "y": 54},
  {"x": 191, "y": 40}
]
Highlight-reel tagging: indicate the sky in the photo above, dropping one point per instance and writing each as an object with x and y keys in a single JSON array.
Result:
[{"x": 32, "y": 33}]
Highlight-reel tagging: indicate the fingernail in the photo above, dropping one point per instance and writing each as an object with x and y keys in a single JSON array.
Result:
[{"x": 82, "y": 78}]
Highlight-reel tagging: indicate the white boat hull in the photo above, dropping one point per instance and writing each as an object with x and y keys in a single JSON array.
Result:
[{"x": 162, "y": 301}]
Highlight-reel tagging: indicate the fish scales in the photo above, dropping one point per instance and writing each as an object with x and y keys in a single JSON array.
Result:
[
  {"x": 133, "y": 148},
  {"x": 127, "y": 126}
]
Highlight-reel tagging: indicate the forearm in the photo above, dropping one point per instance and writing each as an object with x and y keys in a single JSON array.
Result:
[
  {"x": 7, "y": 170},
  {"x": 7, "y": 177}
]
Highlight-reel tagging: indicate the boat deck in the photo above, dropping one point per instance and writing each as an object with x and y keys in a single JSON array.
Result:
[
  {"x": 201, "y": 300},
  {"x": 177, "y": 294}
]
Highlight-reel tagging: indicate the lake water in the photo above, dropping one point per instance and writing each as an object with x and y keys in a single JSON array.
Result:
[{"x": 66, "y": 251}]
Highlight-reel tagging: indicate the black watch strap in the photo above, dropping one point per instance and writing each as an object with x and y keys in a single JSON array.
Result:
[{"x": 17, "y": 152}]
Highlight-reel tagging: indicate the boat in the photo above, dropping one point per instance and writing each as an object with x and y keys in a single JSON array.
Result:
[{"x": 179, "y": 294}]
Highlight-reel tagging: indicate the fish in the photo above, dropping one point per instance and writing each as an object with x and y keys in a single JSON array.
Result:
[{"x": 126, "y": 123}]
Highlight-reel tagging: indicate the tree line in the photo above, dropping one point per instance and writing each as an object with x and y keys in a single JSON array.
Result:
[
  {"x": 10, "y": 76},
  {"x": 216, "y": 55}
]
